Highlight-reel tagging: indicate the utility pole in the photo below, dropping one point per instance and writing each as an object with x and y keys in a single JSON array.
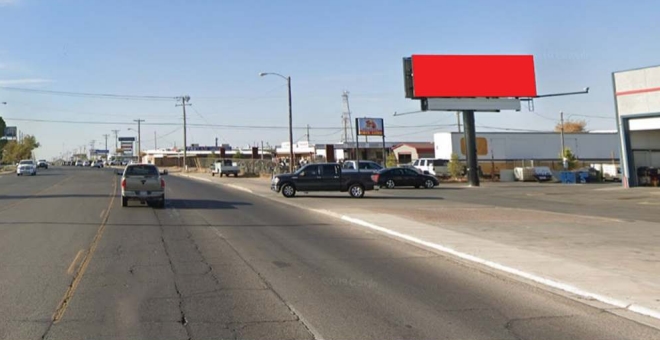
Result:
[
  {"x": 262, "y": 150},
  {"x": 563, "y": 152},
  {"x": 184, "y": 100},
  {"x": 106, "y": 140},
  {"x": 155, "y": 141},
  {"x": 116, "y": 132},
  {"x": 307, "y": 133},
  {"x": 139, "y": 150},
  {"x": 458, "y": 120}
]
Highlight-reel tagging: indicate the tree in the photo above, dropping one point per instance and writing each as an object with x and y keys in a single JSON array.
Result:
[
  {"x": 3, "y": 142},
  {"x": 391, "y": 160},
  {"x": 237, "y": 155},
  {"x": 14, "y": 151},
  {"x": 571, "y": 159},
  {"x": 572, "y": 126},
  {"x": 455, "y": 167}
]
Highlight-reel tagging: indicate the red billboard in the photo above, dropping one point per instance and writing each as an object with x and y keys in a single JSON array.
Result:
[{"x": 473, "y": 76}]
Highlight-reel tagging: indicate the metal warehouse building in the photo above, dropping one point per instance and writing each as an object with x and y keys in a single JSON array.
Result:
[
  {"x": 505, "y": 150},
  {"x": 637, "y": 100}
]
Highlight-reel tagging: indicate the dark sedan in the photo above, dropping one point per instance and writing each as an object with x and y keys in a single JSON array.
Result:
[{"x": 403, "y": 177}]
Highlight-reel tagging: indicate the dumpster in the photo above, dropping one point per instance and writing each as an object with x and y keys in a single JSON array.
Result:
[
  {"x": 567, "y": 177},
  {"x": 583, "y": 176}
]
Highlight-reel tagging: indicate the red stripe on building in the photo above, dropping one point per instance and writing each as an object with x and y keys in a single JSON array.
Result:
[{"x": 652, "y": 89}]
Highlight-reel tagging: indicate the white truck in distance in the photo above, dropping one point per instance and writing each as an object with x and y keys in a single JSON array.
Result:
[
  {"x": 611, "y": 172},
  {"x": 225, "y": 167},
  {"x": 434, "y": 167}
]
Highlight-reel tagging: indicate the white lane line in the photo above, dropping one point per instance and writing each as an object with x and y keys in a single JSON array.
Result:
[
  {"x": 538, "y": 279},
  {"x": 102, "y": 212},
  {"x": 238, "y": 187}
]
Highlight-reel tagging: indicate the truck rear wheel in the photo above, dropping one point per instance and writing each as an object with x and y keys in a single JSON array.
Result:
[
  {"x": 288, "y": 190},
  {"x": 356, "y": 190},
  {"x": 124, "y": 201}
]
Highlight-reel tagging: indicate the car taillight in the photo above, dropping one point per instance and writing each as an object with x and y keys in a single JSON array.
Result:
[
  {"x": 162, "y": 183},
  {"x": 123, "y": 183},
  {"x": 375, "y": 178}
]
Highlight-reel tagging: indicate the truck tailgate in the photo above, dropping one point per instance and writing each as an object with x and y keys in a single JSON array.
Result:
[{"x": 143, "y": 183}]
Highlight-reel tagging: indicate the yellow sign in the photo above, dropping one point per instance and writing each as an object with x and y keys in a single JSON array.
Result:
[{"x": 482, "y": 146}]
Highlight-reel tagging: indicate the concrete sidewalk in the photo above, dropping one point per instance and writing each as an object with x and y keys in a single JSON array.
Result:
[{"x": 605, "y": 259}]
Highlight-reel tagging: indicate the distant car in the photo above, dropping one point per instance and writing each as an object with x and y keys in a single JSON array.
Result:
[
  {"x": 80, "y": 163},
  {"x": 42, "y": 164},
  {"x": 26, "y": 167},
  {"x": 142, "y": 182},
  {"x": 87, "y": 163},
  {"x": 225, "y": 168},
  {"x": 97, "y": 164},
  {"x": 403, "y": 177}
]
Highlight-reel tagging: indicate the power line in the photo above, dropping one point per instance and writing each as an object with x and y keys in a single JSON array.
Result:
[
  {"x": 225, "y": 126},
  {"x": 87, "y": 94}
]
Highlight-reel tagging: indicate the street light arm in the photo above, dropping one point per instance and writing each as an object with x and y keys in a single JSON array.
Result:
[{"x": 262, "y": 74}]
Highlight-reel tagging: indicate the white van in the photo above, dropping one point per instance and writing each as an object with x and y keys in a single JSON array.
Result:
[{"x": 433, "y": 166}]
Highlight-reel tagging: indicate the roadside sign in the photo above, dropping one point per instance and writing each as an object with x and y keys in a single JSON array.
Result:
[
  {"x": 126, "y": 139},
  {"x": 101, "y": 152},
  {"x": 10, "y": 131},
  {"x": 370, "y": 127}
]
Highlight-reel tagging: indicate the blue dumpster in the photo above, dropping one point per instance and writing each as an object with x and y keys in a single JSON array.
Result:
[
  {"x": 568, "y": 177},
  {"x": 583, "y": 176}
]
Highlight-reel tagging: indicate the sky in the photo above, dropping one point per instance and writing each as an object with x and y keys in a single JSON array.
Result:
[{"x": 213, "y": 51}]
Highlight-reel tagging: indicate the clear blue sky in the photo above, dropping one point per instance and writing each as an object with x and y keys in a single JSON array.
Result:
[{"x": 214, "y": 50}]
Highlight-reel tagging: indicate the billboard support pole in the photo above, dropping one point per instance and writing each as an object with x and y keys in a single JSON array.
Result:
[{"x": 471, "y": 148}]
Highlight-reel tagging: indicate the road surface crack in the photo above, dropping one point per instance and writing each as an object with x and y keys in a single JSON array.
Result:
[{"x": 184, "y": 319}]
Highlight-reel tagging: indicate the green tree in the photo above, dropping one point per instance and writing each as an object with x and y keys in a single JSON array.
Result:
[
  {"x": 455, "y": 167},
  {"x": 3, "y": 142},
  {"x": 571, "y": 159},
  {"x": 391, "y": 160},
  {"x": 237, "y": 155},
  {"x": 14, "y": 151}
]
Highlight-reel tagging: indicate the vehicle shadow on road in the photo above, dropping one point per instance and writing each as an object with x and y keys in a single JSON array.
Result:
[
  {"x": 20, "y": 197},
  {"x": 372, "y": 197},
  {"x": 203, "y": 204}
]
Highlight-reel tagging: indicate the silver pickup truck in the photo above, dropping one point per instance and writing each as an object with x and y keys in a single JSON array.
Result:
[{"x": 143, "y": 182}]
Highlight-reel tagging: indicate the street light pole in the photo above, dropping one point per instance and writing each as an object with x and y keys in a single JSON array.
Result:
[
  {"x": 291, "y": 155},
  {"x": 288, "y": 84}
]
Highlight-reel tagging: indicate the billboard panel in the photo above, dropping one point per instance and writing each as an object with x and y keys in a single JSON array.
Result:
[
  {"x": 473, "y": 76},
  {"x": 126, "y": 145},
  {"x": 369, "y": 126},
  {"x": 10, "y": 131},
  {"x": 101, "y": 152},
  {"x": 126, "y": 139},
  {"x": 638, "y": 91}
]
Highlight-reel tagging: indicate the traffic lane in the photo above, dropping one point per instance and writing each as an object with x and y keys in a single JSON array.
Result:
[
  {"x": 347, "y": 282},
  {"x": 165, "y": 274},
  {"x": 16, "y": 188},
  {"x": 40, "y": 241}
]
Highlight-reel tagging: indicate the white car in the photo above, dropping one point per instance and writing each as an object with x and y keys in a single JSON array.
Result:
[{"x": 26, "y": 167}]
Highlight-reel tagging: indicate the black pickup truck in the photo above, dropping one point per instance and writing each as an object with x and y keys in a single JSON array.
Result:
[{"x": 323, "y": 177}]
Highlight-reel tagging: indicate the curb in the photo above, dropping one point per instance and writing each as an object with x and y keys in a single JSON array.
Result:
[{"x": 471, "y": 258}]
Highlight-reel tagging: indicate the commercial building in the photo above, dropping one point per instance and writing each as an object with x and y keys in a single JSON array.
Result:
[
  {"x": 506, "y": 150},
  {"x": 637, "y": 100}
]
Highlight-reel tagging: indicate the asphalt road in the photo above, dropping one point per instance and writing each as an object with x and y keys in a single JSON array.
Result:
[{"x": 222, "y": 264}]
